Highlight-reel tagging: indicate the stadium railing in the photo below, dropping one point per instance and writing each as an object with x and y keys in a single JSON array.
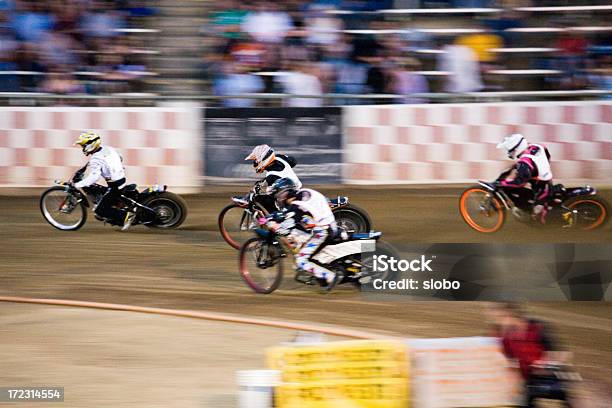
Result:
[
  {"x": 479, "y": 10},
  {"x": 42, "y": 99}
]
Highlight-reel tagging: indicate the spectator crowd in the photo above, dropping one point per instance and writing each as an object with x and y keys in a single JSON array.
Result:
[
  {"x": 340, "y": 46},
  {"x": 69, "y": 46},
  {"x": 302, "y": 47}
]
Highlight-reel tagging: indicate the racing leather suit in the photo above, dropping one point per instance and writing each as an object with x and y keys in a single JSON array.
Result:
[
  {"x": 280, "y": 168},
  {"x": 533, "y": 166},
  {"x": 310, "y": 213},
  {"x": 106, "y": 162}
]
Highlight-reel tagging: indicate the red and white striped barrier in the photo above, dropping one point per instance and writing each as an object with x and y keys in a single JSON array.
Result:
[
  {"x": 448, "y": 143},
  {"x": 158, "y": 145}
]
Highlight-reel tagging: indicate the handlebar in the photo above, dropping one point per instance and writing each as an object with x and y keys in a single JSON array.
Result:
[
  {"x": 265, "y": 231},
  {"x": 492, "y": 186},
  {"x": 70, "y": 186},
  {"x": 257, "y": 187}
]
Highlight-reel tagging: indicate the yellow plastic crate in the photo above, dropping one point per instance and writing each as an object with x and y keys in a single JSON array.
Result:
[
  {"x": 340, "y": 371},
  {"x": 370, "y": 393},
  {"x": 342, "y": 351}
]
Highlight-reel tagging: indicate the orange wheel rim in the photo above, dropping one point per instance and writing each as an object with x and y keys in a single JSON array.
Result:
[
  {"x": 466, "y": 216},
  {"x": 601, "y": 217}
]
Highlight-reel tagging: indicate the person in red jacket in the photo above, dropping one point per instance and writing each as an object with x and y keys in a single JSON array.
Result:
[{"x": 529, "y": 344}]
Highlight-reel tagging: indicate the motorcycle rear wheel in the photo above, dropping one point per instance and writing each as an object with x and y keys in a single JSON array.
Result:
[
  {"x": 367, "y": 260},
  {"x": 353, "y": 219},
  {"x": 170, "y": 210},
  {"x": 592, "y": 212}
]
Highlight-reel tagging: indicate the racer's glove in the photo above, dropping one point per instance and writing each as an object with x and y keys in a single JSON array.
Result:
[
  {"x": 284, "y": 228},
  {"x": 277, "y": 216},
  {"x": 68, "y": 186},
  {"x": 257, "y": 187}
]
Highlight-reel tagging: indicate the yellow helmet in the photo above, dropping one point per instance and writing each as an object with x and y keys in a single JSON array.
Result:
[{"x": 89, "y": 141}]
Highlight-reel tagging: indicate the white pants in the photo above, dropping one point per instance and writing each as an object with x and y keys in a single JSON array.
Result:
[{"x": 302, "y": 259}]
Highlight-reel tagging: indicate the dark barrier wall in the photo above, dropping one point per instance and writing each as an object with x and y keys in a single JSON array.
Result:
[{"x": 312, "y": 135}]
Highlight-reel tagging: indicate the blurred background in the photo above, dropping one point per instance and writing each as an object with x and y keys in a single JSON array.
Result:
[{"x": 142, "y": 50}]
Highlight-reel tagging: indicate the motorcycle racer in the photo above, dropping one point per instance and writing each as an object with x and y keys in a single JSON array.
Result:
[
  {"x": 274, "y": 167},
  {"x": 307, "y": 220},
  {"x": 532, "y": 166},
  {"x": 105, "y": 162}
]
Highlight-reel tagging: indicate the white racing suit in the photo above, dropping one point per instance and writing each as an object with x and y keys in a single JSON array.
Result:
[
  {"x": 533, "y": 166},
  {"x": 280, "y": 168},
  {"x": 308, "y": 223},
  {"x": 107, "y": 163}
]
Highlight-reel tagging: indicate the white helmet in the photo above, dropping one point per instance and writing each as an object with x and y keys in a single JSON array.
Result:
[
  {"x": 262, "y": 156},
  {"x": 513, "y": 144}
]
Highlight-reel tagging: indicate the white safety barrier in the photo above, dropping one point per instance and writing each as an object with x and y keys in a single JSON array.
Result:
[
  {"x": 461, "y": 372},
  {"x": 256, "y": 388},
  {"x": 160, "y": 145},
  {"x": 452, "y": 143}
]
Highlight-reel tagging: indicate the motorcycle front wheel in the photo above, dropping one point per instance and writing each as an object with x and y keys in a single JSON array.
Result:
[
  {"x": 236, "y": 224},
  {"x": 261, "y": 265},
  {"x": 62, "y": 209},
  {"x": 481, "y": 210}
]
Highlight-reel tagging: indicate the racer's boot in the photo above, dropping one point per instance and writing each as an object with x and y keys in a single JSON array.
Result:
[
  {"x": 540, "y": 211},
  {"x": 305, "y": 277},
  {"x": 569, "y": 217},
  {"x": 333, "y": 279},
  {"x": 130, "y": 216}
]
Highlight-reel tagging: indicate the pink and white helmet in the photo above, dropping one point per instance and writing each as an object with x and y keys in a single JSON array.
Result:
[
  {"x": 262, "y": 156},
  {"x": 513, "y": 145}
]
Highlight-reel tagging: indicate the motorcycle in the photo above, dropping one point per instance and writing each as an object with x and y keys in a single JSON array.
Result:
[
  {"x": 65, "y": 207},
  {"x": 238, "y": 219},
  {"x": 553, "y": 380},
  {"x": 261, "y": 259},
  {"x": 484, "y": 207}
]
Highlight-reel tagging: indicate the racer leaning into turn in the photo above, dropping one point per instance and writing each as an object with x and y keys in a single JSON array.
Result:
[
  {"x": 274, "y": 167},
  {"x": 307, "y": 221},
  {"x": 104, "y": 162},
  {"x": 532, "y": 167}
]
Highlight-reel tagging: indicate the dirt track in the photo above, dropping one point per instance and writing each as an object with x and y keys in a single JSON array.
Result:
[
  {"x": 192, "y": 268},
  {"x": 113, "y": 359}
]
